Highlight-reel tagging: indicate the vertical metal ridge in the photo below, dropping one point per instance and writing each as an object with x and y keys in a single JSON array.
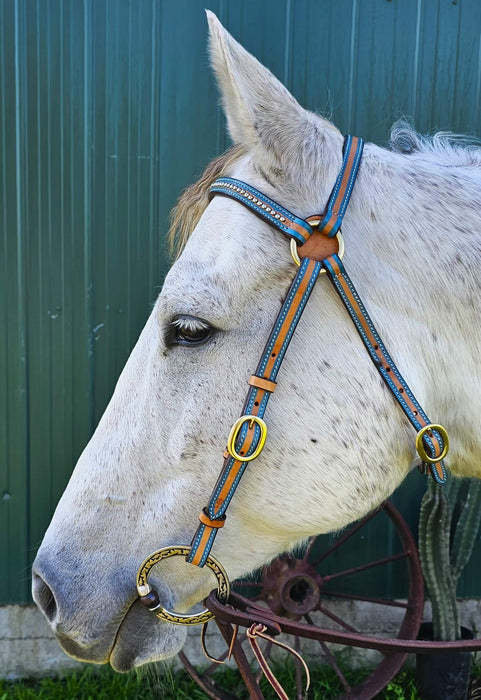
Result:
[
  {"x": 65, "y": 306},
  {"x": 436, "y": 53},
  {"x": 417, "y": 41},
  {"x": 352, "y": 64},
  {"x": 153, "y": 165},
  {"x": 128, "y": 175},
  {"x": 87, "y": 198},
  {"x": 68, "y": 180},
  {"x": 19, "y": 480},
  {"x": 112, "y": 355},
  {"x": 454, "y": 105},
  {"x": 107, "y": 217},
  {"x": 5, "y": 397},
  {"x": 4, "y": 344},
  {"x": 478, "y": 86},
  {"x": 288, "y": 45},
  {"x": 20, "y": 206},
  {"x": 142, "y": 157},
  {"x": 48, "y": 260}
]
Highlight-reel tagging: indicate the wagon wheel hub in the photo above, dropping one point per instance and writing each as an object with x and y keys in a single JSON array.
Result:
[
  {"x": 300, "y": 594},
  {"x": 292, "y": 587}
]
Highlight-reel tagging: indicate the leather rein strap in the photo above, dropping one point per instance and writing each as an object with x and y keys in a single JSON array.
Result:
[{"x": 248, "y": 434}]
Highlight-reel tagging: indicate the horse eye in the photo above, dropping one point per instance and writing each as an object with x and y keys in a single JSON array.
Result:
[{"x": 189, "y": 330}]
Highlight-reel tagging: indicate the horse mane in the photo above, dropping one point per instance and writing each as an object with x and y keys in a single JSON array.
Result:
[
  {"x": 193, "y": 201},
  {"x": 443, "y": 148}
]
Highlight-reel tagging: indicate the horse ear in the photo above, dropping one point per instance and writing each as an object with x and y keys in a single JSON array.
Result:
[{"x": 261, "y": 113}]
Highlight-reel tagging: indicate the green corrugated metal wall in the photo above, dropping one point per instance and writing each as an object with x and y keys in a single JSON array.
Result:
[{"x": 107, "y": 110}]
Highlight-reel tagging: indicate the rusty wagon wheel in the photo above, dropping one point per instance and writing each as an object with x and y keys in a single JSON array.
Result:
[{"x": 312, "y": 589}]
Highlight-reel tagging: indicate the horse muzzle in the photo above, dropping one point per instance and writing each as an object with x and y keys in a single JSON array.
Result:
[{"x": 100, "y": 623}]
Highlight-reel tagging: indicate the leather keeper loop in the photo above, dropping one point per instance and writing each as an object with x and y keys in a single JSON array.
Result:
[
  {"x": 207, "y": 520},
  {"x": 261, "y": 383}
]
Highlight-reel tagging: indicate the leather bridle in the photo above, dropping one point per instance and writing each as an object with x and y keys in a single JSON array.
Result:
[{"x": 248, "y": 434}]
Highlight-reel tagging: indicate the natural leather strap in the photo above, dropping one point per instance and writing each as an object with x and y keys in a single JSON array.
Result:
[
  {"x": 255, "y": 405},
  {"x": 432, "y": 440},
  {"x": 341, "y": 194},
  {"x": 259, "y": 630}
]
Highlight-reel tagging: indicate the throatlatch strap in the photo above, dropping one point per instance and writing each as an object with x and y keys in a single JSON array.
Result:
[
  {"x": 432, "y": 440},
  {"x": 255, "y": 405}
]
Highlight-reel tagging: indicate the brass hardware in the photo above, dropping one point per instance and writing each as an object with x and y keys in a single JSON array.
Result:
[
  {"x": 234, "y": 432},
  {"x": 420, "y": 446}
]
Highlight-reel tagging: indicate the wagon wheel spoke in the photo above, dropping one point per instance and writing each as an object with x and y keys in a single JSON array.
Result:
[
  {"x": 344, "y": 538},
  {"x": 222, "y": 657},
  {"x": 331, "y": 658},
  {"x": 309, "y": 547},
  {"x": 249, "y": 589},
  {"x": 206, "y": 683},
  {"x": 299, "y": 671},
  {"x": 365, "y": 567},
  {"x": 335, "y": 618},
  {"x": 367, "y": 599}
]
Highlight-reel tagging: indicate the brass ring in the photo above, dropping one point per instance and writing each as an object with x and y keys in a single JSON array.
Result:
[
  {"x": 294, "y": 253},
  {"x": 143, "y": 587},
  {"x": 340, "y": 252},
  {"x": 234, "y": 432},
  {"x": 420, "y": 445}
]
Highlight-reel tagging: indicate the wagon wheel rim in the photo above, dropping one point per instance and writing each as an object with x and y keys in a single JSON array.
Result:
[{"x": 391, "y": 663}]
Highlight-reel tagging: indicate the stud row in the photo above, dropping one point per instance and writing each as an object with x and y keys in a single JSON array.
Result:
[{"x": 254, "y": 200}]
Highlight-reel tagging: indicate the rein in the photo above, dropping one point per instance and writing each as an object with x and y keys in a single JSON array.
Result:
[{"x": 324, "y": 247}]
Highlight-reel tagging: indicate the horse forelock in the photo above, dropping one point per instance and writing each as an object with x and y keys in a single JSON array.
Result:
[
  {"x": 193, "y": 201},
  {"x": 444, "y": 148}
]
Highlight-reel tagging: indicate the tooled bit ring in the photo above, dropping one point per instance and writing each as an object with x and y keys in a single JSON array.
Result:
[{"x": 150, "y": 598}]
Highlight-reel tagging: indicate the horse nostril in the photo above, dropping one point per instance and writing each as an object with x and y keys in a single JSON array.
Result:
[{"x": 44, "y": 597}]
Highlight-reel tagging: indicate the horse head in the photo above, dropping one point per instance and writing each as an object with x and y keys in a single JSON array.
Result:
[{"x": 337, "y": 445}]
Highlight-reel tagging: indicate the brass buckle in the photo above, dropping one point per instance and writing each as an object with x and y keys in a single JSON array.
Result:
[
  {"x": 143, "y": 587},
  {"x": 340, "y": 252},
  {"x": 422, "y": 450},
  {"x": 234, "y": 432}
]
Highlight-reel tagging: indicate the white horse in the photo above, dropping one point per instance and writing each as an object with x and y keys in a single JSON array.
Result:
[{"x": 338, "y": 443}]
